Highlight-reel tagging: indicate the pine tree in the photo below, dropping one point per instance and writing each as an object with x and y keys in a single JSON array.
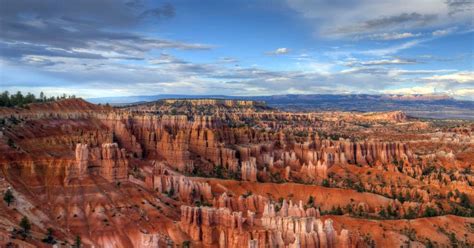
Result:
[
  {"x": 49, "y": 236},
  {"x": 430, "y": 212},
  {"x": 5, "y": 99},
  {"x": 382, "y": 213},
  {"x": 25, "y": 227},
  {"x": 18, "y": 99},
  {"x": 78, "y": 242},
  {"x": 8, "y": 197},
  {"x": 464, "y": 200},
  {"x": 29, "y": 98}
]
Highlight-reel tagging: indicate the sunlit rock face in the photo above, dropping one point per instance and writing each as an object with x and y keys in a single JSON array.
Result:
[
  {"x": 108, "y": 161},
  {"x": 226, "y": 173}
]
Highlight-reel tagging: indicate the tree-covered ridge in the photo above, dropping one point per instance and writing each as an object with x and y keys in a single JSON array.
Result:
[{"x": 20, "y": 100}]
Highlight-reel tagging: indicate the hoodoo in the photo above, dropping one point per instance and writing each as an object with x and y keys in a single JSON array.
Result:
[
  {"x": 239, "y": 174},
  {"x": 197, "y": 124}
]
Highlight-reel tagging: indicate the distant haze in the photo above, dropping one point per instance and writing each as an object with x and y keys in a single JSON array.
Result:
[{"x": 427, "y": 106}]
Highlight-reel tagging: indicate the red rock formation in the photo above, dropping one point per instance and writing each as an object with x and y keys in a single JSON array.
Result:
[
  {"x": 317, "y": 172},
  {"x": 108, "y": 161},
  {"x": 114, "y": 164},
  {"x": 249, "y": 170},
  {"x": 175, "y": 150},
  {"x": 188, "y": 191},
  {"x": 121, "y": 125},
  {"x": 79, "y": 169},
  {"x": 210, "y": 225},
  {"x": 232, "y": 174}
]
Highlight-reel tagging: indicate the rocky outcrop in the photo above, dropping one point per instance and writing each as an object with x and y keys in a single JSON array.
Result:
[
  {"x": 187, "y": 190},
  {"x": 228, "y": 159},
  {"x": 107, "y": 161},
  {"x": 254, "y": 203},
  {"x": 113, "y": 163},
  {"x": 175, "y": 150},
  {"x": 79, "y": 169},
  {"x": 211, "y": 225},
  {"x": 370, "y": 152},
  {"x": 249, "y": 170},
  {"x": 316, "y": 172},
  {"x": 296, "y": 230},
  {"x": 121, "y": 126}
]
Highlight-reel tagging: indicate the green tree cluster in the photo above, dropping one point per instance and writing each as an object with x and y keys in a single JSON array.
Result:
[{"x": 18, "y": 99}]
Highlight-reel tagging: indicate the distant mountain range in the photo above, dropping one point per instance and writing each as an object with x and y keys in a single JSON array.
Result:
[{"x": 425, "y": 106}]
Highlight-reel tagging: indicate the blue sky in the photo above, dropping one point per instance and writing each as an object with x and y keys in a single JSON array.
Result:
[{"x": 95, "y": 48}]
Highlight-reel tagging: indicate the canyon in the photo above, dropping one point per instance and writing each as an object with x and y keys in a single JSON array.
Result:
[{"x": 233, "y": 173}]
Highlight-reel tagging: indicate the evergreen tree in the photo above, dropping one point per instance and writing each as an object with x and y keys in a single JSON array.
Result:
[
  {"x": 25, "y": 227},
  {"x": 326, "y": 183},
  {"x": 382, "y": 213},
  {"x": 339, "y": 210},
  {"x": 5, "y": 99},
  {"x": 29, "y": 98},
  {"x": 8, "y": 197},
  {"x": 464, "y": 200},
  {"x": 18, "y": 99},
  {"x": 78, "y": 242},
  {"x": 430, "y": 212},
  {"x": 49, "y": 239},
  {"x": 42, "y": 97}
]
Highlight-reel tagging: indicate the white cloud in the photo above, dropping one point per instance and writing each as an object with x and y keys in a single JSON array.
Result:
[
  {"x": 365, "y": 17},
  {"x": 279, "y": 51},
  {"x": 314, "y": 66},
  {"x": 467, "y": 94},
  {"x": 463, "y": 77},
  {"x": 392, "y": 49},
  {"x": 443, "y": 32},
  {"x": 392, "y": 36},
  {"x": 169, "y": 74},
  {"x": 395, "y": 61},
  {"x": 400, "y": 72},
  {"x": 412, "y": 90},
  {"x": 432, "y": 89}
]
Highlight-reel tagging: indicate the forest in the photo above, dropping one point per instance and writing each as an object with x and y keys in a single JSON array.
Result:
[{"x": 20, "y": 100}]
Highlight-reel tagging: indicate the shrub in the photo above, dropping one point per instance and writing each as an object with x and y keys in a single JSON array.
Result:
[
  {"x": 382, "y": 213},
  {"x": 326, "y": 183},
  {"x": 430, "y": 212},
  {"x": 186, "y": 244}
]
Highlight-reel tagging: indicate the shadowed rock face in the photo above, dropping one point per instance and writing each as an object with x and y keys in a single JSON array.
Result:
[{"x": 225, "y": 173}]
